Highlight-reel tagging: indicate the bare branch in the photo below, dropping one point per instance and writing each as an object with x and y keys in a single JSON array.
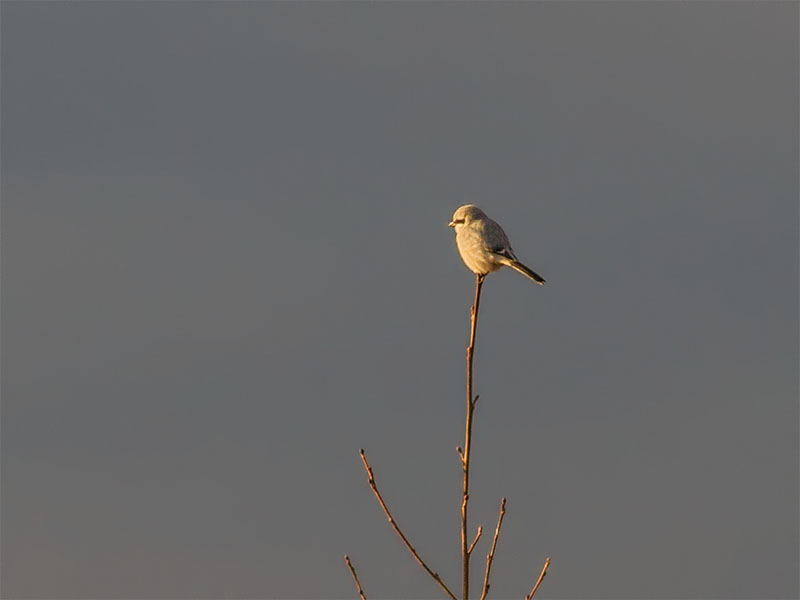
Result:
[
  {"x": 465, "y": 549},
  {"x": 490, "y": 556},
  {"x": 355, "y": 577},
  {"x": 399, "y": 532},
  {"x": 475, "y": 541},
  {"x": 538, "y": 581}
]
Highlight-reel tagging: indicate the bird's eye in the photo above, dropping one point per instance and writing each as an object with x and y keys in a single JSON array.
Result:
[{"x": 458, "y": 221}]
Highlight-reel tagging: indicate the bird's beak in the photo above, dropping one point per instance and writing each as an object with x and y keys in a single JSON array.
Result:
[{"x": 451, "y": 224}]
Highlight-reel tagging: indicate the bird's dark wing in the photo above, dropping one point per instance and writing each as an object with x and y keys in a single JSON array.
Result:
[{"x": 503, "y": 251}]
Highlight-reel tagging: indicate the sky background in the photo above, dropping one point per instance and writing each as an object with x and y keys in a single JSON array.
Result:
[{"x": 226, "y": 268}]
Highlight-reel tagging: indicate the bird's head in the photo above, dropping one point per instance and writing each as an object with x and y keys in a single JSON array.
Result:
[{"x": 464, "y": 215}]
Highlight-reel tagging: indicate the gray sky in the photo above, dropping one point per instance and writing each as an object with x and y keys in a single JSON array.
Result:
[{"x": 226, "y": 269}]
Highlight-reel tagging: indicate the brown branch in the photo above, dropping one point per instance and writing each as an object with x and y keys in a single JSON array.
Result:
[
  {"x": 355, "y": 577},
  {"x": 538, "y": 581},
  {"x": 490, "y": 556},
  {"x": 468, "y": 437},
  {"x": 475, "y": 541},
  {"x": 399, "y": 532}
]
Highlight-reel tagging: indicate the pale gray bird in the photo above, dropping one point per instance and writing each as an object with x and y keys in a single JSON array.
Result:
[{"x": 483, "y": 245}]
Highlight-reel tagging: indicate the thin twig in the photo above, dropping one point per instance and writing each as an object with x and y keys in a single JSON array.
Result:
[
  {"x": 355, "y": 577},
  {"x": 490, "y": 556},
  {"x": 467, "y": 437},
  {"x": 399, "y": 532},
  {"x": 538, "y": 581},
  {"x": 475, "y": 541}
]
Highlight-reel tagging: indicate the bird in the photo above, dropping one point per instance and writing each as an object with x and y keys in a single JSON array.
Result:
[{"x": 483, "y": 245}]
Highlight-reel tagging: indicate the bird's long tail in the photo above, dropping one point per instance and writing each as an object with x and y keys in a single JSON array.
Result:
[{"x": 520, "y": 268}]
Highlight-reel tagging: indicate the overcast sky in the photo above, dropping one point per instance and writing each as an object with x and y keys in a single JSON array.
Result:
[{"x": 226, "y": 268}]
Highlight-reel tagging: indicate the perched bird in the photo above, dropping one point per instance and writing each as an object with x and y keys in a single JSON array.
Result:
[{"x": 483, "y": 244}]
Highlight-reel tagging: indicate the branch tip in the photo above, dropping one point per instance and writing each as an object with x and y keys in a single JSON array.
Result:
[
  {"x": 475, "y": 541},
  {"x": 355, "y": 577},
  {"x": 541, "y": 577},
  {"x": 490, "y": 556}
]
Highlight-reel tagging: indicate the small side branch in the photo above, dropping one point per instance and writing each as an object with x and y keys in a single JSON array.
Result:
[
  {"x": 475, "y": 541},
  {"x": 490, "y": 556},
  {"x": 538, "y": 581},
  {"x": 399, "y": 532},
  {"x": 355, "y": 577}
]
